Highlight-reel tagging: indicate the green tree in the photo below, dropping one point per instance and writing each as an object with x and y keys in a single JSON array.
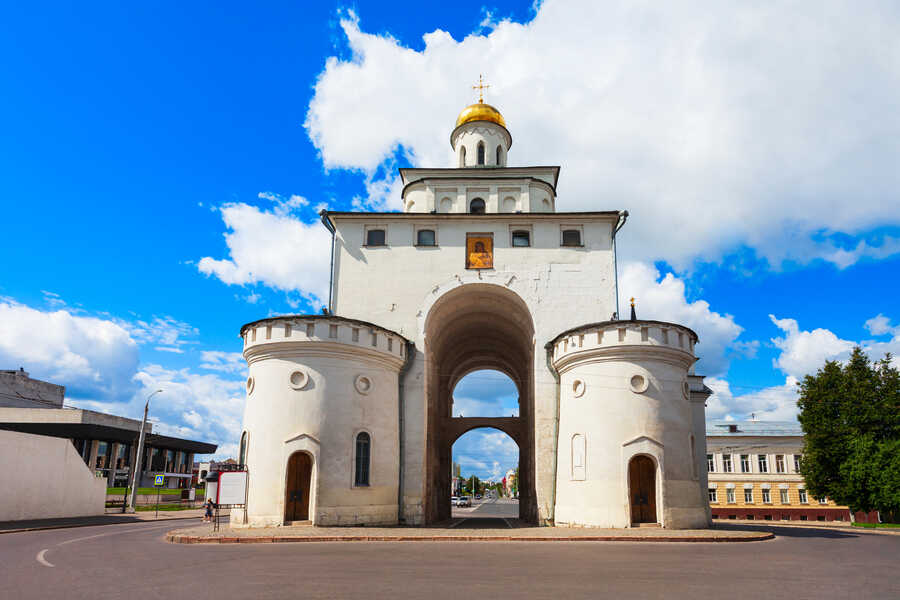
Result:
[{"x": 850, "y": 416}]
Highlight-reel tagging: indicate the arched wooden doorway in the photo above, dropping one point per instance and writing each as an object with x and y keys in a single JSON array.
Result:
[
  {"x": 297, "y": 490},
  {"x": 642, "y": 489}
]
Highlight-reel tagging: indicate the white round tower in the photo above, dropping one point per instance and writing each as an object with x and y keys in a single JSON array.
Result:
[
  {"x": 480, "y": 138},
  {"x": 320, "y": 436},
  {"x": 631, "y": 430}
]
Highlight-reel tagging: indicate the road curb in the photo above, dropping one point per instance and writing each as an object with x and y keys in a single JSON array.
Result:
[{"x": 195, "y": 539}]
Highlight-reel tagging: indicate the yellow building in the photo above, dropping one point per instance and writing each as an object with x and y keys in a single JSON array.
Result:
[{"x": 754, "y": 473}]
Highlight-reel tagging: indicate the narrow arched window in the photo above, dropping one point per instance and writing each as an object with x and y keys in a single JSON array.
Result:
[
  {"x": 499, "y": 156},
  {"x": 363, "y": 445},
  {"x": 462, "y": 156},
  {"x": 480, "y": 153},
  {"x": 242, "y": 456},
  {"x": 476, "y": 206}
]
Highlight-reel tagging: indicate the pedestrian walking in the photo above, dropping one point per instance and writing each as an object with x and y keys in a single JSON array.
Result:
[{"x": 207, "y": 517}]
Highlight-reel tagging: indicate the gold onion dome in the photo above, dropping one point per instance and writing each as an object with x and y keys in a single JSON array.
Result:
[{"x": 480, "y": 112}]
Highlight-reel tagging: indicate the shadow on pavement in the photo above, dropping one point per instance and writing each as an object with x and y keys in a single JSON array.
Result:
[
  {"x": 483, "y": 523},
  {"x": 68, "y": 522},
  {"x": 793, "y": 532}
]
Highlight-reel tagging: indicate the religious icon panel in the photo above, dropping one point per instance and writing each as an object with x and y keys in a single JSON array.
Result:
[{"x": 479, "y": 251}]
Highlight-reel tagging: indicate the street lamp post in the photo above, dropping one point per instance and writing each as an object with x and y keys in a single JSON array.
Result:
[{"x": 136, "y": 467}]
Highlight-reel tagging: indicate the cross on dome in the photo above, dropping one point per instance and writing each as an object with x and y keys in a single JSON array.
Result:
[{"x": 480, "y": 87}]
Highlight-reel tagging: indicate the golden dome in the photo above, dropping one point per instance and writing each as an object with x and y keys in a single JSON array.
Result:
[{"x": 480, "y": 112}]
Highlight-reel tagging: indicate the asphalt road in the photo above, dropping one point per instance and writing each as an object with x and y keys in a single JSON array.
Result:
[
  {"x": 489, "y": 509},
  {"x": 131, "y": 560}
]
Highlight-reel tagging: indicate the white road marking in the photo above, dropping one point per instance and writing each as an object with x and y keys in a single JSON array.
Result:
[
  {"x": 40, "y": 555},
  {"x": 90, "y": 537},
  {"x": 40, "y": 558}
]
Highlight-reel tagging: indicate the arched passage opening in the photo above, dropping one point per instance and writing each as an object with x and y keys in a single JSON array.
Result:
[
  {"x": 485, "y": 472},
  {"x": 485, "y": 393},
  {"x": 475, "y": 327}
]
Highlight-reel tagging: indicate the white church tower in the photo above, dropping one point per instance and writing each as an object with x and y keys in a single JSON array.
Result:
[{"x": 349, "y": 415}]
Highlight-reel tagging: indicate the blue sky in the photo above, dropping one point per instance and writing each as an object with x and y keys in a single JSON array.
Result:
[{"x": 146, "y": 153}]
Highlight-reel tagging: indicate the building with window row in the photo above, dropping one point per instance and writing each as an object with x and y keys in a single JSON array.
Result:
[
  {"x": 753, "y": 471},
  {"x": 106, "y": 443}
]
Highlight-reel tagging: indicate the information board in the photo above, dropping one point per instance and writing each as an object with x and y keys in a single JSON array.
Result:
[{"x": 232, "y": 488}]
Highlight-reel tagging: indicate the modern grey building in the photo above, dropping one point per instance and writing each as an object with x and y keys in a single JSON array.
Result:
[{"x": 107, "y": 443}]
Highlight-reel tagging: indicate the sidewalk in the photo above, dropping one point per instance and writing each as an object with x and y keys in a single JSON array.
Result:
[
  {"x": 203, "y": 534},
  {"x": 107, "y": 519}
]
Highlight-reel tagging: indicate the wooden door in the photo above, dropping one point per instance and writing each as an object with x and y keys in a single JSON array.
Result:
[
  {"x": 299, "y": 472},
  {"x": 642, "y": 489}
]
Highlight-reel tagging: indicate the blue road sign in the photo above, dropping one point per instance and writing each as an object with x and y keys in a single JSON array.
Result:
[{"x": 159, "y": 480}]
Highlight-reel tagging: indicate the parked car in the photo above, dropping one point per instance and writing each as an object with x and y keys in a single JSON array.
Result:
[
  {"x": 454, "y": 500},
  {"x": 478, "y": 496},
  {"x": 464, "y": 501}
]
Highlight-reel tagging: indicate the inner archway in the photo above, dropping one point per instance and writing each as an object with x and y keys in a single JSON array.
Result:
[
  {"x": 485, "y": 393},
  {"x": 484, "y": 483},
  {"x": 475, "y": 327}
]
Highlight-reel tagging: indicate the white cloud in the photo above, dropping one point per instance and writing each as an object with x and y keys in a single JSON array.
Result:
[
  {"x": 205, "y": 407},
  {"x": 92, "y": 357},
  {"x": 474, "y": 407},
  {"x": 273, "y": 248},
  {"x": 284, "y": 206},
  {"x": 805, "y": 352},
  {"x": 192, "y": 418},
  {"x": 801, "y": 353},
  {"x": 880, "y": 325},
  {"x": 381, "y": 194},
  {"x": 877, "y": 349},
  {"x": 198, "y": 406},
  {"x": 52, "y": 299},
  {"x": 776, "y": 403},
  {"x": 166, "y": 331},
  {"x": 485, "y": 452},
  {"x": 664, "y": 300},
  {"x": 226, "y": 362},
  {"x": 98, "y": 360},
  {"x": 485, "y": 394},
  {"x": 716, "y": 126}
]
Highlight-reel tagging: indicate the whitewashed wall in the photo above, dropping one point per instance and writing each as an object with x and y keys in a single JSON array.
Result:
[
  {"x": 304, "y": 395},
  {"x": 394, "y": 286},
  {"x": 45, "y": 478},
  {"x": 624, "y": 388}
]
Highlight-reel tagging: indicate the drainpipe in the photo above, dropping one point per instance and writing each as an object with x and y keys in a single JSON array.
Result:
[
  {"x": 330, "y": 227},
  {"x": 623, "y": 216},
  {"x": 549, "y": 348},
  {"x": 401, "y": 427}
]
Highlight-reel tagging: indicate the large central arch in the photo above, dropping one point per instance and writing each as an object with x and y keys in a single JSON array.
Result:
[{"x": 472, "y": 327}]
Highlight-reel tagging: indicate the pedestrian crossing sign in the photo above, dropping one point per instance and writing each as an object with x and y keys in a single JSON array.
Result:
[{"x": 159, "y": 480}]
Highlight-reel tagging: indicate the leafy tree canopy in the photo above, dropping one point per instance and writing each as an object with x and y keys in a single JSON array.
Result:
[{"x": 850, "y": 416}]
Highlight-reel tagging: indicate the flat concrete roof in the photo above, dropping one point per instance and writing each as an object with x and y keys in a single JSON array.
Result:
[{"x": 92, "y": 425}]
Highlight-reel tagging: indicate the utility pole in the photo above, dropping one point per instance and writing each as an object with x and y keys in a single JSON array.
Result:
[{"x": 135, "y": 468}]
